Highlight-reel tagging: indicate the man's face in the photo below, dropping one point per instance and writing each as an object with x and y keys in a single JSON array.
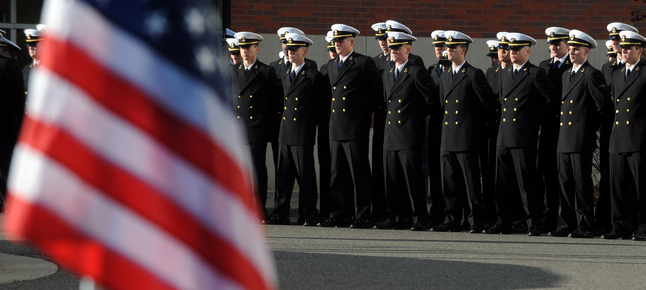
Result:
[
  {"x": 33, "y": 51},
  {"x": 438, "y": 51},
  {"x": 284, "y": 45},
  {"x": 383, "y": 44},
  {"x": 558, "y": 49},
  {"x": 579, "y": 54},
  {"x": 236, "y": 58},
  {"x": 333, "y": 54},
  {"x": 456, "y": 54},
  {"x": 615, "y": 45},
  {"x": 503, "y": 55},
  {"x": 495, "y": 61},
  {"x": 631, "y": 54},
  {"x": 520, "y": 56},
  {"x": 400, "y": 53},
  {"x": 345, "y": 46},
  {"x": 297, "y": 56},
  {"x": 249, "y": 52}
]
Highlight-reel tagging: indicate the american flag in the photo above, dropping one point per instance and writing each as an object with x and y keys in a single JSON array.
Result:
[{"x": 129, "y": 167}]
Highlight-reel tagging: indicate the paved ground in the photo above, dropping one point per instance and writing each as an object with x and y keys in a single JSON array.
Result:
[{"x": 343, "y": 258}]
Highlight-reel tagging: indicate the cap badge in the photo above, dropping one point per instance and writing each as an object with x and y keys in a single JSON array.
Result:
[
  {"x": 336, "y": 32},
  {"x": 28, "y": 36},
  {"x": 502, "y": 39},
  {"x": 243, "y": 39},
  {"x": 511, "y": 39},
  {"x": 392, "y": 39},
  {"x": 493, "y": 47},
  {"x": 609, "y": 47},
  {"x": 389, "y": 27},
  {"x": 614, "y": 30},
  {"x": 552, "y": 34},
  {"x": 435, "y": 37},
  {"x": 331, "y": 42},
  {"x": 623, "y": 38},
  {"x": 572, "y": 37},
  {"x": 290, "y": 40},
  {"x": 233, "y": 45},
  {"x": 379, "y": 30},
  {"x": 450, "y": 38}
]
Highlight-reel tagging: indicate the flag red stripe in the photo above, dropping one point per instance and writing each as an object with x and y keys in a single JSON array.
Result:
[
  {"x": 133, "y": 104},
  {"x": 75, "y": 251},
  {"x": 141, "y": 198}
]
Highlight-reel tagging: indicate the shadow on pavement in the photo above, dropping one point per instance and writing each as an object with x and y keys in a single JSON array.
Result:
[{"x": 298, "y": 270}]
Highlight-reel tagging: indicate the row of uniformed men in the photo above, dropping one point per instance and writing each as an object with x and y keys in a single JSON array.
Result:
[
  {"x": 13, "y": 81},
  {"x": 494, "y": 120}
]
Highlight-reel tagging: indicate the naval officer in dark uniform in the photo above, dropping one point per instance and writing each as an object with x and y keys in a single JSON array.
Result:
[
  {"x": 258, "y": 94},
  {"x": 378, "y": 186},
  {"x": 356, "y": 87},
  {"x": 584, "y": 103},
  {"x": 628, "y": 142},
  {"x": 32, "y": 39},
  {"x": 409, "y": 91},
  {"x": 394, "y": 26},
  {"x": 555, "y": 66},
  {"x": 307, "y": 97},
  {"x": 434, "y": 135},
  {"x": 467, "y": 100},
  {"x": 527, "y": 95},
  {"x": 602, "y": 212},
  {"x": 323, "y": 139}
]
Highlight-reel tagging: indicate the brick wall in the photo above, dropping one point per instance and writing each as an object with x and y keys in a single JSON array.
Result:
[{"x": 479, "y": 18}]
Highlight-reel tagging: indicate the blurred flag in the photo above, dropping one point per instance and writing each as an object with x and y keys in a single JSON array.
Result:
[{"x": 129, "y": 167}]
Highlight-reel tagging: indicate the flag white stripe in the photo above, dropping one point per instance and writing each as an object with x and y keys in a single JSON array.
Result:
[
  {"x": 132, "y": 59},
  {"x": 57, "y": 101},
  {"x": 42, "y": 182}
]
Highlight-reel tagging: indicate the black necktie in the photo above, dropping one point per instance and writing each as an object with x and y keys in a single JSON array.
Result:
[
  {"x": 287, "y": 64},
  {"x": 513, "y": 74},
  {"x": 572, "y": 74},
  {"x": 395, "y": 74},
  {"x": 454, "y": 73},
  {"x": 627, "y": 74},
  {"x": 292, "y": 76},
  {"x": 439, "y": 70},
  {"x": 340, "y": 64},
  {"x": 556, "y": 64},
  {"x": 246, "y": 72}
]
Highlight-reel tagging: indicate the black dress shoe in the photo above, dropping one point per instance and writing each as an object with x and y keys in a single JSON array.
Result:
[
  {"x": 519, "y": 228},
  {"x": 403, "y": 224},
  {"x": 533, "y": 231},
  {"x": 447, "y": 228},
  {"x": 388, "y": 224},
  {"x": 563, "y": 232},
  {"x": 579, "y": 234},
  {"x": 639, "y": 237},
  {"x": 497, "y": 229},
  {"x": 278, "y": 220},
  {"x": 332, "y": 222},
  {"x": 361, "y": 224},
  {"x": 309, "y": 222},
  {"x": 613, "y": 236},
  {"x": 475, "y": 230},
  {"x": 417, "y": 227}
]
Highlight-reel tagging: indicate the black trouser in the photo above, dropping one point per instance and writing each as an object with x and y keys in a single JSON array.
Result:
[
  {"x": 436, "y": 215},
  {"x": 324, "y": 166},
  {"x": 461, "y": 178},
  {"x": 350, "y": 165},
  {"x": 628, "y": 192},
  {"x": 405, "y": 184},
  {"x": 258, "y": 152},
  {"x": 378, "y": 186},
  {"x": 602, "y": 212},
  {"x": 575, "y": 177},
  {"x": 296, "y": 163},
  {"x": 548, "y": 182},
  {"x": 488, "y": 170},
  {"x": 516, "y": 170}
]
